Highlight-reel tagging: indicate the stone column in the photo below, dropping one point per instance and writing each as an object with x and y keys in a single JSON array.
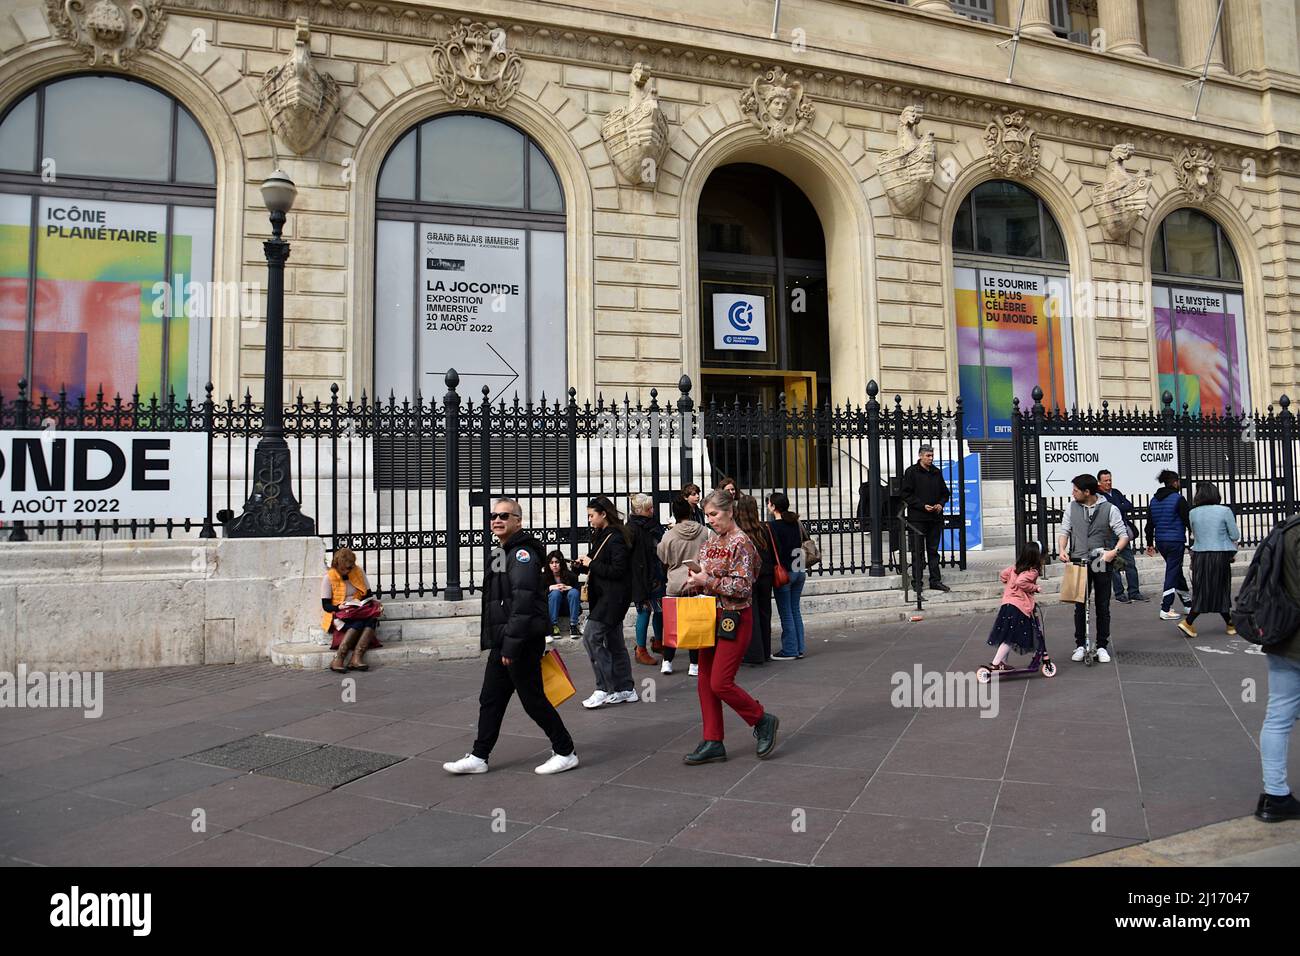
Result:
[
  {"x": 1037, "y": 18},
  {"x": 931, "y": 6},
  {"x": 1195, "y": 24},
  {"x": 1119, "y": 25}
]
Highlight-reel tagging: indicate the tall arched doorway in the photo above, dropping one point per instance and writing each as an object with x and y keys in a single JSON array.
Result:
[
  {"x": 1012, "y": 282},
  {"x": 763, "y": 299},
  {"x": 1200, "y": 322}
]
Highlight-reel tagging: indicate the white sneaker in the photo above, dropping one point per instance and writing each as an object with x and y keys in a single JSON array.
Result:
[
  {"x": 1170, "y": 616},
  {"x": 466, "y": 764},
  {"x": 623, "y": 697},
  {"x": 558, "y": 764},
  {"x": 550, "y": 638},
  {"x": 1103, "y": 655},
  {"x": 1077, "y": 655},
  {"x": 667, "y": 668},
  {"x": 693, "y": 670},
  {"x": 596, "y": 699}
]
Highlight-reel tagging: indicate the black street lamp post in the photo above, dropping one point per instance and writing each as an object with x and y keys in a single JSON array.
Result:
[{"x": 272, "y": 511}]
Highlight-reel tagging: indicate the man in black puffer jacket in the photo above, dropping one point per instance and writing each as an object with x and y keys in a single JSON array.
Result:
[{"x": 514, "y": 625}]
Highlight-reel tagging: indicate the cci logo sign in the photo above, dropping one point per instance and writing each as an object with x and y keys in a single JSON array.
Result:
[{"x": 739, "y": 323}]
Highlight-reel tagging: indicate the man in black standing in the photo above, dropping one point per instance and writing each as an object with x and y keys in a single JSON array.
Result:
[
  {"x": 514, "y": 628},
  {"x": 925, "y": 492}
]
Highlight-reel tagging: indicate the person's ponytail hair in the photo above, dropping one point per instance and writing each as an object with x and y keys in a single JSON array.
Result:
[
  {"x": 781, "y": 502},
  {"x": 606, "y": 507}
]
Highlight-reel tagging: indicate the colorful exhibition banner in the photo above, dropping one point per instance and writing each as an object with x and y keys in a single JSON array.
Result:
[
  {"x": 1013, "y": 332},
  {"x": 102, "y": 476},
  {"x": 1201, "y": 348},
  {"x": 474, "y": 297},
  {"x": 739, "y": 322}
]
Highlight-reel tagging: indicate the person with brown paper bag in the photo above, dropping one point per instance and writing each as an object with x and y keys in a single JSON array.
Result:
[{"x": 1091, "y": 525}]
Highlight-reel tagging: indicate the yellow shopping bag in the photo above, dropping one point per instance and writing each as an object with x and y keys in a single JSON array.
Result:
[
  {"x": 690, "y": 623},
  {"x": 555, "y": 679}
]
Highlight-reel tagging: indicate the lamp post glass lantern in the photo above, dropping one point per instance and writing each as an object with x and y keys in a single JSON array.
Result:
[{"x": 272, "y": 511}]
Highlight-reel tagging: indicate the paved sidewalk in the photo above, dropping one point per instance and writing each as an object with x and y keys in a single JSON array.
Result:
[{"x": 1094, "y": 760}]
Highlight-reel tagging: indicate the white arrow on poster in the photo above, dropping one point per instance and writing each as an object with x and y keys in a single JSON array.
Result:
[
  {"x": 474, "y": 292},
  {"x": 1133, "y": 460}
]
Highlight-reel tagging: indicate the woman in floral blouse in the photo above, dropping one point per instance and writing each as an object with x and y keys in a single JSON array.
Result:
[{"x": 728, "y": 565}]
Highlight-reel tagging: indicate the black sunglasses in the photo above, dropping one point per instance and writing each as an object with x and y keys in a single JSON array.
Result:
[{"x": 502, "y": 515}]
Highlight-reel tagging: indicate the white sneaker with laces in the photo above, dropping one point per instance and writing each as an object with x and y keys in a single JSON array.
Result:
[
  {"x": 1077, "y": 655},
  {"x": 622, "y": 697},
  {"x": 1170, "y": 616},
  {"x": 597, "y": 699},
  {"x": 466, "y": 764},
  {"x": 1103, "y": 655},
  {"x": 558, "y": 764},
  {"x": 667, "y": 668},
  {"x": 693, "y": 670}
]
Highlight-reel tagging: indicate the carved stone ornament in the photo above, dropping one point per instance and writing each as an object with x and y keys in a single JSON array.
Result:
[
  {"x": 300, "y": 102},
  {"x": 108, "y": 30},
  {"x": 908, "y": 169},
  {"x": 636, "y": 135},
  {"x": 1010, "y": 145},
  {"x": 475, "y": 69},
  {"x": 1197, "y": 172},
  {"x": 1122, "y": 198},
  {"x": 776, "y": 106}
]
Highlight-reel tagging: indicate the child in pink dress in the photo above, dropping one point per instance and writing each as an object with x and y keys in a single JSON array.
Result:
[{"x": 1014, "y": 627}]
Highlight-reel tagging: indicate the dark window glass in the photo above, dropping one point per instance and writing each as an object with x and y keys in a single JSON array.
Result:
[
  {"x": 1000, "y": 218},
  {"x": 801, "y": 229},
  {"x": 194, "y": 161},
  {"x": 1158, "y": 251},
  {"x": 130, "y": 125},
  {"x": 736, "y": 212},
  {"x": 18, "y": 137},
  {"x": 1228, "y": 260},
  {"x": 1191, "y": 244},
  {"x": 471, "y": 161},
  {"x": 963, "y": 235},
  {"x": 544, "y": 193},
  {"x": 397, "y": 179}
]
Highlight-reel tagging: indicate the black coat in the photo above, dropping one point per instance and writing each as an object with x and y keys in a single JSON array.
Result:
[
  {"x": 648, "y": 574},
  {"x": 609, "y": 585},
  {"x": 514, "y": 600},
  {"x": 921, "y": 487}
]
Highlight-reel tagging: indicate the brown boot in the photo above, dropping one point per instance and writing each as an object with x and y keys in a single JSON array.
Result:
[
  {"x": 358, "y": 657},
  {"x": 346, "y": 643},
  {"x": 643, "y": 657}
]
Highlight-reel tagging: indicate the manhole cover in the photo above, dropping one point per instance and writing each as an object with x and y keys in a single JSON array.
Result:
[
  {"x": 1157, "y": 659},
  {"x": 330, "y": 766},
  {"x": 253, "y": 753}
]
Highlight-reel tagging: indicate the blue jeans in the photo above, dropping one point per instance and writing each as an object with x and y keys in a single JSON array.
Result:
[
  {"x": 1283, "y": 711},
  {"x": 1175, "y": 582},
  {"x": 555, "y": 600},
  {"x": 651, "y": 610},
  {"x": 787, "y": 606},
  {"x": 1129, "y": 574}
]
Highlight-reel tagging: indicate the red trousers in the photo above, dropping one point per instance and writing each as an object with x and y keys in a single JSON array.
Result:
[{"x": 717, "y": 680}]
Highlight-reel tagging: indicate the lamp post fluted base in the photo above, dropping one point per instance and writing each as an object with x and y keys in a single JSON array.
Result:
[{"x": 271, "y": 511}]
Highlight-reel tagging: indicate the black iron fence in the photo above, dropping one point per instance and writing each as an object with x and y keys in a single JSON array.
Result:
[
  {"x": 1250, "y": 456},
  {"x": 407, "y": 484}
]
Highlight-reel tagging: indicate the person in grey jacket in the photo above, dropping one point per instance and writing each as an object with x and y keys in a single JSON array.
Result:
[
  {"x": 1215, "y": 536},
  {"x": 680, "y": 543},
  {"x": 1090, "y": 524}
]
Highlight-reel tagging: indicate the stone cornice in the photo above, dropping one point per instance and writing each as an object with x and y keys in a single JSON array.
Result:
[{"x": 420, "y": 24}]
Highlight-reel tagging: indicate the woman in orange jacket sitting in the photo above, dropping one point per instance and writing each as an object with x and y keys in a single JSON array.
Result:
[{"x": 352, "y": 623}]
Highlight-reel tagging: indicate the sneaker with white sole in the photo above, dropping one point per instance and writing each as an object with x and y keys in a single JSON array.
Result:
[
  {"x": 1077, "y": 655},
  {"x": 693, "y": 670},
  {"x": 667, "y": 668},
  {"x": 622, "y": 697},
  {"x": 558, "y": 764},
  {"x": 466, "y": 764},
  {"x": 597, "y": 699},
  {"x": 1103, "y": 655},
  {"x": 1170, "y": 616}
]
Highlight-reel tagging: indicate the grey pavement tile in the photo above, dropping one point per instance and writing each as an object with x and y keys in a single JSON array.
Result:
[
  {"x": 1198, "y": 695},
  {"x": 510, "y": 752},
  {"x": 332, "y": 861},
  {"x": 666, "y": 771},
  {"x": 134, "y": 839},
  {"x": 261, "y": 717},
  {"x": 796, "y": 785},
  {"x": 182, "y": 740},
  {"x": 329, "y": 727},
  {"x": 48, "y": 720},
  {"x": 821, "y": 750},
  {"x": 676, "y": 856},
  {"x": 761, "y": 830},
  {"x": 1075, "y": 768},
  {"x": 929, "y": 797},
  {"x": 406, "y": 738},
  {"x": 106, "y": 731},
  {"x": 1222, "y": 737},
  {"x": 1232, "y": 776},
  {"x": 864, "y": 839},
  {"x": 437, "y": 838},
  {"x": 547, "y": 847},
  {"x": 1170, "y": 813},
  {"x": 34, "y": 751},
  {"x": 47, "y": 818},
  {"x": 1071, "y": 809},
  {"x": 16, "y": 789},
  {"x": 452, "y": 713},
  {"x": 159, "y": 782},
  {"x": 633, "y": 813},
  {"x": 524, "y": 796},
  {"x": 948, "y": 759},
  {"x": 253, "y": 752},
  {"x": 1160, "y": 675},
  {"x": 1288, "y": 856},
  {"x": 243, "y": 849},
  {"x": 330, "y": 766},
  {"x": 330, "y": 822},
  {"x": 80, "y": 769},
  {"x": 874, "y": 718},
  {"x": 965, "y": 725},
  {"x": 417, "y": 783},
  {"x": 239, "y": 800},
  {"x": 391, "y": 706},
  {"x": 1016, "y": 846},
  {"x": 1074, "y": 734}
]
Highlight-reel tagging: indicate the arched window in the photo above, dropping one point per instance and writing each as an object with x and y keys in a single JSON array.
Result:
[
  {"x": 1012, "y": 284},
  {"x": 469, "y": 263},
  {"x": 107, "y": 192},
  {"x": 1200, "y": 322}
]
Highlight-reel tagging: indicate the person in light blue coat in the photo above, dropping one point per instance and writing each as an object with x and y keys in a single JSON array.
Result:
[{"x": 1215, "y": 541}]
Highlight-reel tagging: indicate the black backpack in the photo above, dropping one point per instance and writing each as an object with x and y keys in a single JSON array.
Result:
[{"x": 1264, "y": 613}]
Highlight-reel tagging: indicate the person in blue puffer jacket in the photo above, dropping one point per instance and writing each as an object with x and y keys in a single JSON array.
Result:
[{"x": 1167, "y": 533}]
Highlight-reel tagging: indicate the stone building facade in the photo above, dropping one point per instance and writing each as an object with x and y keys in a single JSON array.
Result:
[{"x": 884, "y": 117}]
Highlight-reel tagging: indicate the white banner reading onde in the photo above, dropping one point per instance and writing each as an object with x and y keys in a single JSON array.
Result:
[
  {"x": 88, "y": 476},
  {"x": 474, "y": 286},
  {"x": 1133, "y": 460}
]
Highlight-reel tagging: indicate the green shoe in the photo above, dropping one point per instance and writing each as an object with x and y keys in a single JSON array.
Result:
[
  {"x": 765, "y": 731},
  {"x": 707, "y": 752}
]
